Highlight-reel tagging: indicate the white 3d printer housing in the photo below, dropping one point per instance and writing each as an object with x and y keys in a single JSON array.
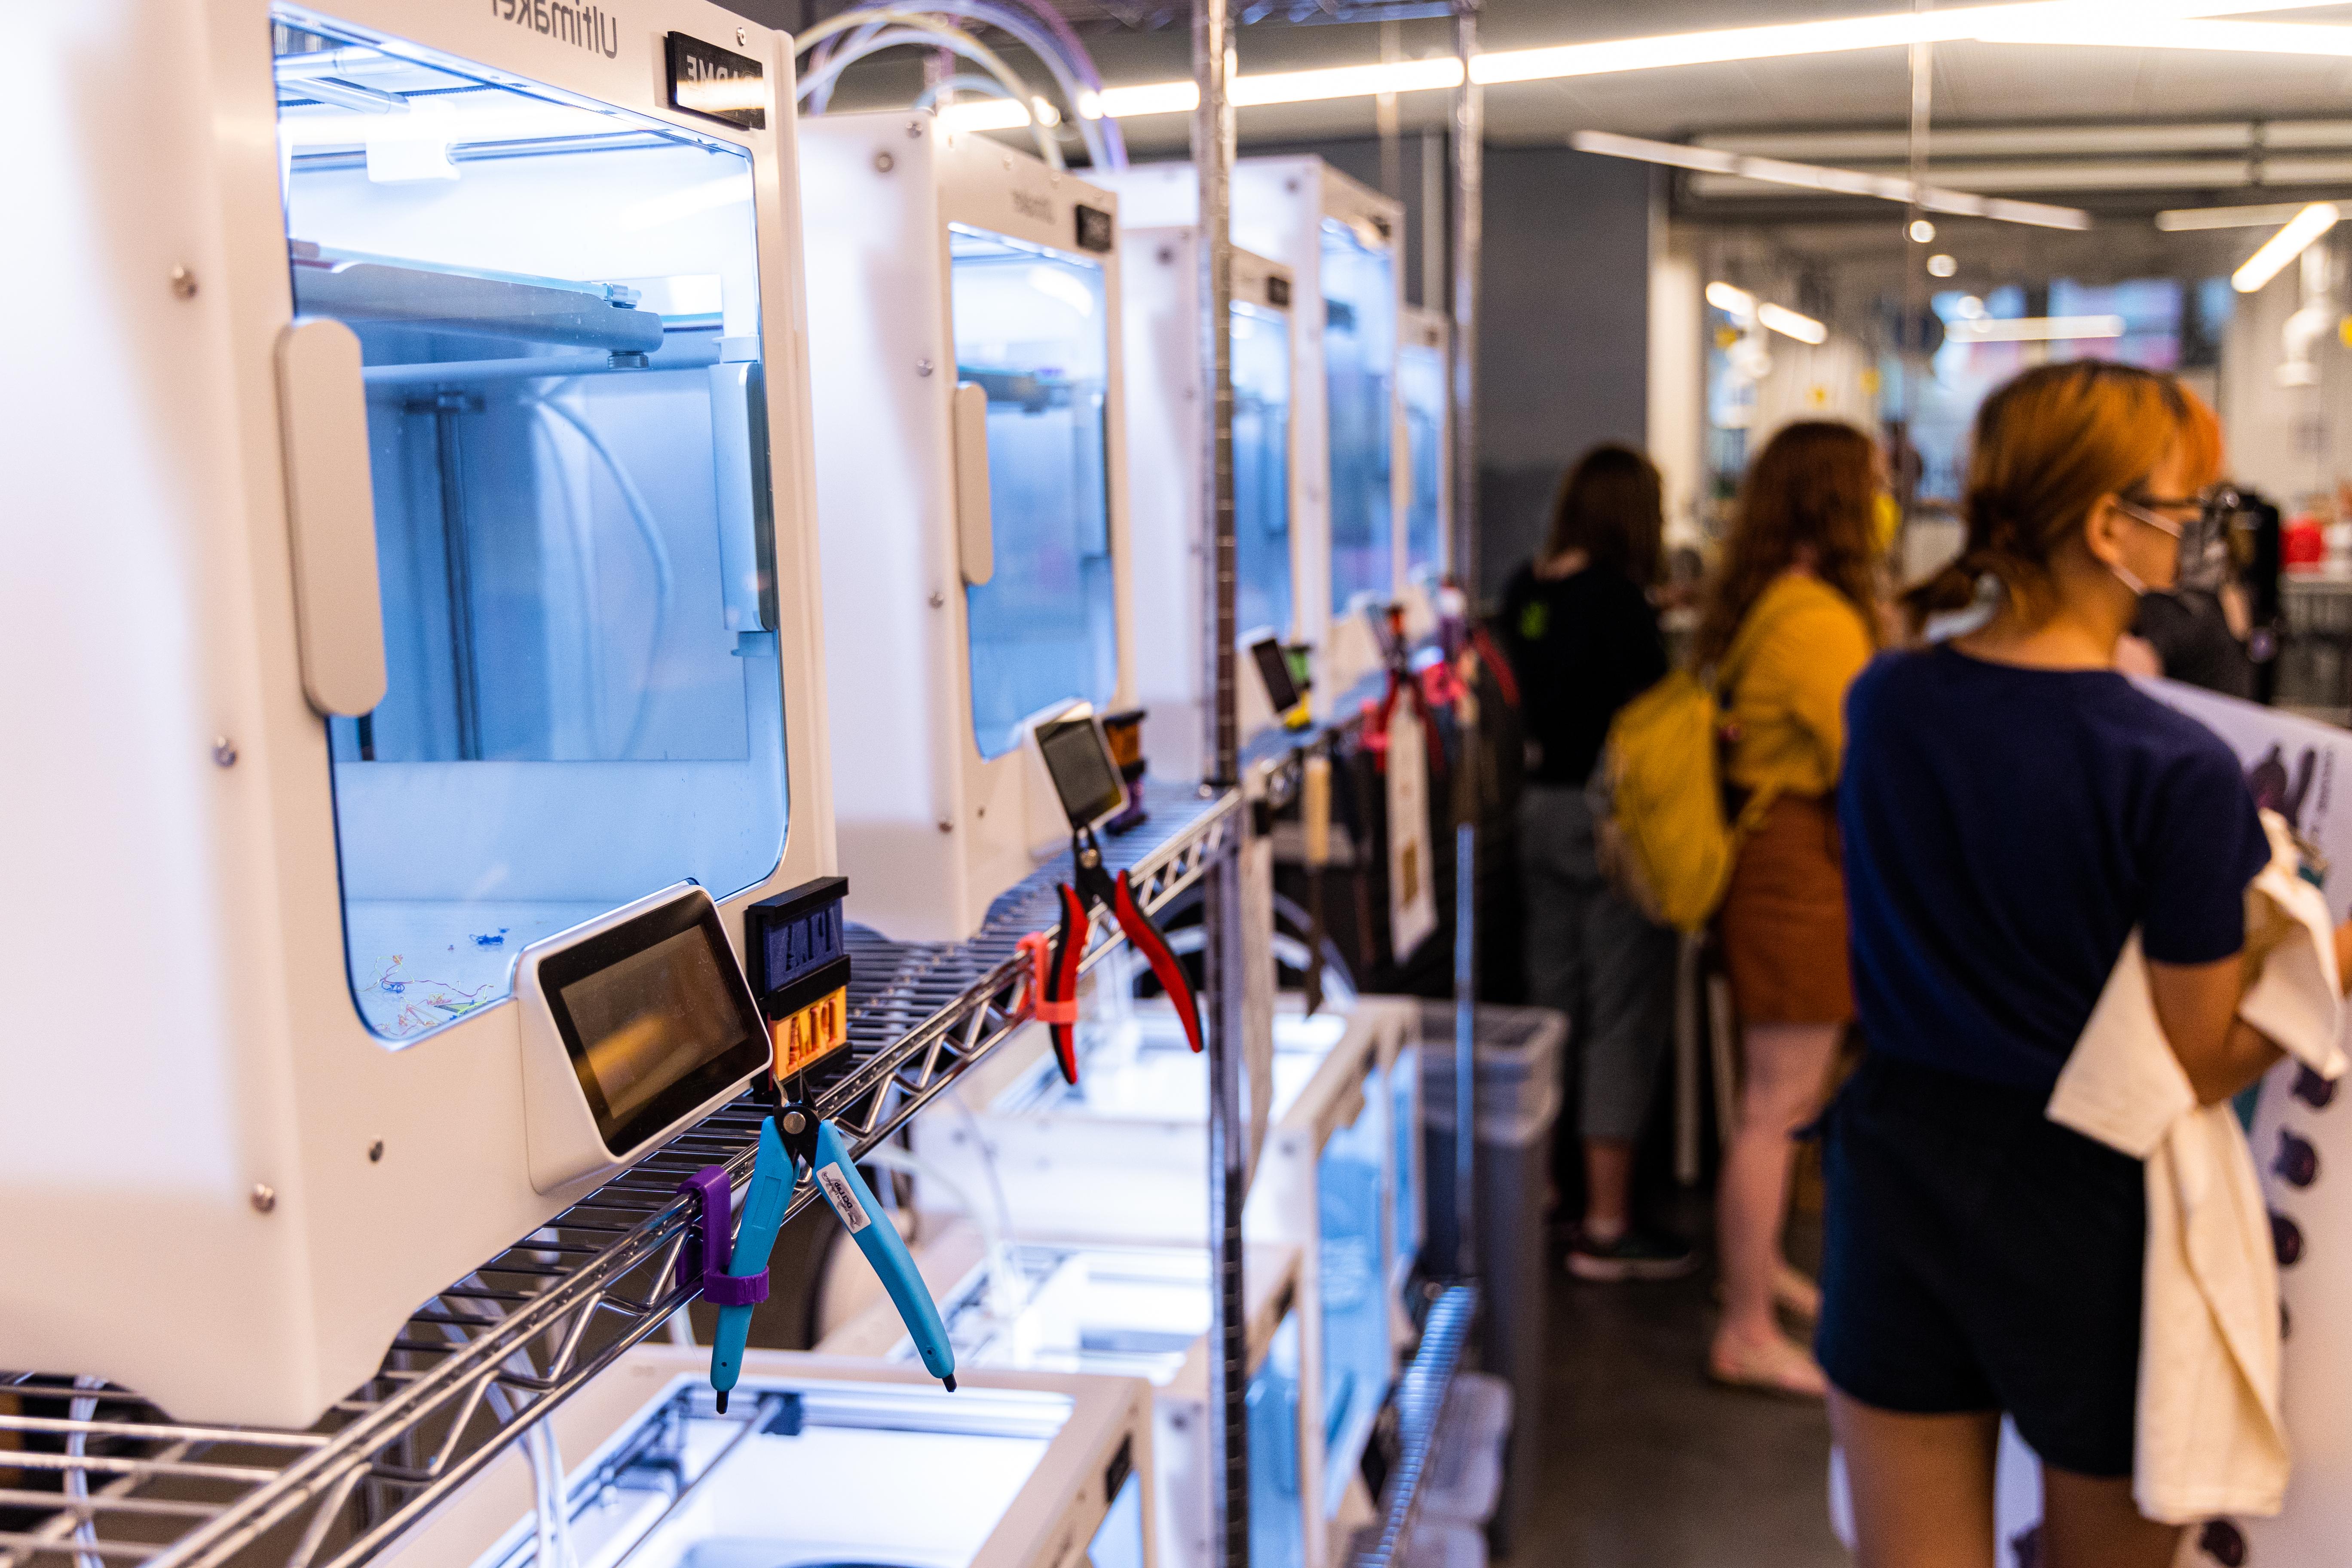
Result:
[
  {"x": 1425, "y": 468},
  {"x": 972, "y": 486},
  {"x": 1161, "y": 272},
  {"x": 267, "y": 1087},
  {"x": 1343, "y": 243}
]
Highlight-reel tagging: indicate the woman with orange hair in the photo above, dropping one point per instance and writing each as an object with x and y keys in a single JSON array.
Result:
[
  {"x": 2012, "y": 809},
  {"x": 1788, "y": 625}
]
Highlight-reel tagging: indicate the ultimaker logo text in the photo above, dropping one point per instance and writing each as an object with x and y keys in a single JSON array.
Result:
[{"x": 590, "y": 26}]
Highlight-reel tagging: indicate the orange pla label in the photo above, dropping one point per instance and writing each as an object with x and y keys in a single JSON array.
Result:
[{"x": 809, "y": 1035}]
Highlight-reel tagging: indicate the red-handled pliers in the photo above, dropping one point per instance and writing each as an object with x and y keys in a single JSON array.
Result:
[{"x": 1090, "y": 885}]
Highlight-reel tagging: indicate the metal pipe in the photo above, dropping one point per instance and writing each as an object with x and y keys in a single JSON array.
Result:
[
  {"x": 1469, "y": 130},
  {"x": 1213, "y": 157},
  {"x": 1469, "y": 210}
]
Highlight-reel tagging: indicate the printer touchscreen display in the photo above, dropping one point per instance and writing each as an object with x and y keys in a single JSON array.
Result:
[{"x": 656, "y": 1021}]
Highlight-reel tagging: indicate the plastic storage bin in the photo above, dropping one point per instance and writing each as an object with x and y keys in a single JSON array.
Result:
[
  {"x": 1463, "y": 1483},
  {"x": 1131, "y": 1313},
  {"x": 1123, "y": 1157},
  {"x": 1518, "y": 1066},
  {"x": 1443, "y": 1543},
  {"x": 820, "y": 1460}
]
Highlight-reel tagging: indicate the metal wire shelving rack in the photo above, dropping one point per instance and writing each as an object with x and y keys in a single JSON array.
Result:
[{"x": 477, "y": 1366}]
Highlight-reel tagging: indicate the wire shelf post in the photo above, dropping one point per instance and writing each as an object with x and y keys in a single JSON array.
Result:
[{"x": 1226, "y": 941}]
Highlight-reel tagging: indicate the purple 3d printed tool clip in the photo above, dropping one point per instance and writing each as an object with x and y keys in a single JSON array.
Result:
[{"x": 704, "y": 1267}]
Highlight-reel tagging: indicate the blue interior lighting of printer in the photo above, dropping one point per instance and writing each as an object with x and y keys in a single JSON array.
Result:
[
  {"x": 1135, "y": 1312},
  {"x": 1261, "y": 469},
  {"x": 1421, "y": 387},
  {"x": 559, "y": 316},
  {"x": 1031, "y": 327},
  {"x": 1277, "y": 1529},
  {"x": 1358, "y": 359},
  {"x": 1406, "y": 1217},
  {"x": 1355, "y": 1296}
]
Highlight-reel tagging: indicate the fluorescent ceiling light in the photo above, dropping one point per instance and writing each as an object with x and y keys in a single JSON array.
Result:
[
  {"x": 2246, "y": 37},
  {"x": 2284, "y": 246},
  {"x": 2110, "y": 19},
  {"x": 1732, "y": 301},
  {"x": 2179, "y": 220},
  {"x": 2031, "y": 328},
  {"x": 1739, "y": 304},
  {"x": 1845, "y": 181},
  {"x": 1790, "y": 324},
  {"x": 1141, "y": 98},
  {"x": 1348, "y": 81},
  {"x": 996, "y": 114}
]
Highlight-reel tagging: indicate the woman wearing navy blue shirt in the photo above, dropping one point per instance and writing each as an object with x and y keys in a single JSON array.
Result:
[{"x": 2012, "y": 809}]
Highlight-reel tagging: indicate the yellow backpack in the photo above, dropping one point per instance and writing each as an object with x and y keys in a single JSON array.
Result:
[{"x": 1657, "y": 797}]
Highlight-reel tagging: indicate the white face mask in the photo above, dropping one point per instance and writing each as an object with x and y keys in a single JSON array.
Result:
[{"x": 2141, "y": 514}]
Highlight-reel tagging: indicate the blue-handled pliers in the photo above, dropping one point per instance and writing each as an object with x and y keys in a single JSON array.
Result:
[{"x": 796, "y": 1143}]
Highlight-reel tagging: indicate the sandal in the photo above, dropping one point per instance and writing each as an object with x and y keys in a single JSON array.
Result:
[{"x": 1780, "y": 1367}]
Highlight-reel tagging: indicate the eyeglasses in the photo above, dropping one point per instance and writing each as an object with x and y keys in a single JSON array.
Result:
[{"x": 2145, "y": 511}]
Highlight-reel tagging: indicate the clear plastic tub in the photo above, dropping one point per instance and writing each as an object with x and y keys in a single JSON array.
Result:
[{"x": 1464, "y": 1482}]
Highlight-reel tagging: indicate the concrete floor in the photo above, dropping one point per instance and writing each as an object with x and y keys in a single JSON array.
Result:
[{"x": 1647, "y": 1464}]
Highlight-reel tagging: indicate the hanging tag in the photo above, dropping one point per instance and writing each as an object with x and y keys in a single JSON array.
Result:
[{"x": 1412, "y": 898}]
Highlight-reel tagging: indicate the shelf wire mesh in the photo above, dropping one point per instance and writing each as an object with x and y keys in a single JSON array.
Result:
[{"x": 94, "y": 1476}]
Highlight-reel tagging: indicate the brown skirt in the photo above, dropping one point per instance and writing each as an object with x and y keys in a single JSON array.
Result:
[{"x": 1783, "y": 922}]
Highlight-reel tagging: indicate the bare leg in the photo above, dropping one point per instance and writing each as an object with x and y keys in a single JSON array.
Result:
[
  {"x": 1607, "y": 1187},
  {"x": 1922, "y": 1485},
  {"x": 2090, "y": 1522},
  {"x": 1786, "y": 1064}
]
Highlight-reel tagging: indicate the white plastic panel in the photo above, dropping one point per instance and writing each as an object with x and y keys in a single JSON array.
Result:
[{"x": 330, "y": 516}]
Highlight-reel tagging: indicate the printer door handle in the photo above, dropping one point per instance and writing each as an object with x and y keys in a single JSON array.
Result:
[
  {"x": 330, "y": 516},
  {"x": 975, "y": 517}
]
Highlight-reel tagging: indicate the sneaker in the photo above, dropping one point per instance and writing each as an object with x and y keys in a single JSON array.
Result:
[{"x": 1637, "y": 1255}]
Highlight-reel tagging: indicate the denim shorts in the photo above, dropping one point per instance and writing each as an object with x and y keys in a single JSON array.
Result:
[{"x": 1980, "y": 1257}]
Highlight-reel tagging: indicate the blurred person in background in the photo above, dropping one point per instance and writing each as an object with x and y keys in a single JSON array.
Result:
[
  {"x": 1582, "y": 636},
  {"x": 2012, "y": 810},
  {"x": 2195, "y": 630},
  {"x": 1790, "y": 621}
]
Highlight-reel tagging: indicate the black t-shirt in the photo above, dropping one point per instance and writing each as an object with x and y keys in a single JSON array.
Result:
[
  {"x": 2004, "y": 829},
  {"x": 1582, "y": 646},
  {"x": 2192, "y": 636}
]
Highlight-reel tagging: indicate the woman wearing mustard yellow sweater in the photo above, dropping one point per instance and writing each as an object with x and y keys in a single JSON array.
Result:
[{"x": 1789, "y": 624}]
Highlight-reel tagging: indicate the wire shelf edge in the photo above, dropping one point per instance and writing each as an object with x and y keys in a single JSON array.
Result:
[{"x": 483, "y": 1360}]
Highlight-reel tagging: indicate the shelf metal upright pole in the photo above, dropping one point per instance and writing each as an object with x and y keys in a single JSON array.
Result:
[
  {"x": 1469, "y": 130},
  {"x": 1226, "y": 946}
]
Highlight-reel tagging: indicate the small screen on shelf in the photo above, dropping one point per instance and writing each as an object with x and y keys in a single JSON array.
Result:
[
  {"x": 1274, "y": 668},
  {"x": 1084, "y": 774},
  {"x": 656, "y": 1017}
]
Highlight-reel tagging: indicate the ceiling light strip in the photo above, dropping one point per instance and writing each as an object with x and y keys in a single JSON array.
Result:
[
  {"x": 2242, "y": 37},
  {"x": 2180, "y": 220},
  {"x": 2284, "y": 246},
  {"x": 1719, "y": 46},
  {"x": 2031, "y": 328},
  {"x": 1741, "y": 306},
  {"x": 1843, "y": 182}
]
